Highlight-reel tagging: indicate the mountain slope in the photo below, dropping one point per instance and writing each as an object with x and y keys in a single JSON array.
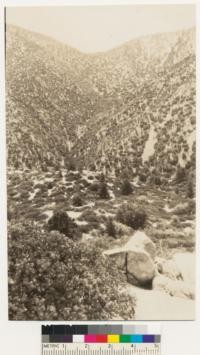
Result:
[
  {"x": 44, "y": 100},
  {"x": 130, "y": 108}
]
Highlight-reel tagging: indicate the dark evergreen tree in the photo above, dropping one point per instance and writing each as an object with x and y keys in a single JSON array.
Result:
[
  {"x": 103, "y": 191},
  {"x": 61, "y": 222},
  {"x": 110, "y": 228},
  {"x": 126, "y": 187}
]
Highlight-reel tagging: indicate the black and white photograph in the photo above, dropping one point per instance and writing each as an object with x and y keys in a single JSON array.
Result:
[{"x": 101, "y": 152}]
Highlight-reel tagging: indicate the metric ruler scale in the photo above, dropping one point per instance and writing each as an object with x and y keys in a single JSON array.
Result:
[{"x": 100, "y": 349}]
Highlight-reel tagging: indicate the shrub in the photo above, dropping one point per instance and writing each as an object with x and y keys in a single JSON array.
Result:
[
  {"x": 84, "y": 183},
  {"x": 91, "y": 218},
  {"x": 142, "y": 178},
  {"x": 126, "y": 187},
  {"x": 90, "y": 177},
  {"x": 92, "y": 167},
  {"x": 49, "y": 185},
  {"x": 191, "y": 207},
  {"x": 12, "y": 213},
  {"x": 54, "y": 278},
  {"x": 103, "y": 191},
  {"x": 89, "y": 215},
  {"x": 129, "y": 215},
  {"x": 181, "y": 208},
  {"x": 77, "y": 200},
  {"x": 61, "y": 222},
  {"x": 71, "y": 164},
  {"x": 156, "y": 179},
  {"x": 94, "y": 187},
  {"x": 180, "y": 175},
  {"x": 101, "y": 177},
  {"x": 190, "y": 190},
  {"x": 110, "y": 228}
]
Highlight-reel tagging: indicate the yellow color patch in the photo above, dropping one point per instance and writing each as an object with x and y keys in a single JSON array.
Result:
[{"x": 113, "y": 338}]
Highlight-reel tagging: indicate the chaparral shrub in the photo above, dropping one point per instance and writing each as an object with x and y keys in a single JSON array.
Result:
[
  {"x": 94, "y": 187},
  {"x": 103, "y": 191},
  {"x": 110, "y": 228},
  {"x": 180, "y": 174},
  {"x": 126, "y": 187},
  {"x": 77, "y": 200},
  {"x": 142, "y": 177},
  {"x": 61, "y": 222},
  {"x": 51, "y": 277},
  {"x": 190, "y": 189},
  {"x": 131, "y": 216}
]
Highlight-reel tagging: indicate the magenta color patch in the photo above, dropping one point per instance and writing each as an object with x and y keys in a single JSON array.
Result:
[{"x": 90, "y": 338}]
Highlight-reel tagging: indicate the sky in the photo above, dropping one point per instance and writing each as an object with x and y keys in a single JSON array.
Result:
[{"x": 100, "y": 28}]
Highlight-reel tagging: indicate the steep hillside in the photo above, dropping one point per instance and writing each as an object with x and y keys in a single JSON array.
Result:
[
  {"x": 154, "y": 128},
  {"x": 130, "y": 108},
  {"x": 45, "y": 103}
]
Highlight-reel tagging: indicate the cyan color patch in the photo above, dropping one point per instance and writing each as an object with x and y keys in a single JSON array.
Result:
[{"x": 136, "y": 338}]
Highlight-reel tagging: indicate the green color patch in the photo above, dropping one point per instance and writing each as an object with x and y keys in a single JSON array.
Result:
[{"x": 125, "y": 338}]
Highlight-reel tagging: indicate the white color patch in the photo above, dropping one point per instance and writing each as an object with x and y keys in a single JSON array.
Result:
[{"x": 78, "y": 338}]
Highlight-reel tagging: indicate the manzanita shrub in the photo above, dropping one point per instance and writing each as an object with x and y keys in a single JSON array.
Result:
[{"x": 52, "y": 277}]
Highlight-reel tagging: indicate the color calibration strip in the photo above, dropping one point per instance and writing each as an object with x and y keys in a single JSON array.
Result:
[
  {"x": 98, "y": 334},
  {"x": 102, "y": 338}
]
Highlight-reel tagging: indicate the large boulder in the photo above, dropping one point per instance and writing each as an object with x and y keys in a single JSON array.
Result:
[
  {"x": 136, "y": 259},
  {"x": 119, "y": 257},
  {"x": 175, "y": 288},
  {"x": 141, "y": 241},
  {"x": 140, "y": 267}
]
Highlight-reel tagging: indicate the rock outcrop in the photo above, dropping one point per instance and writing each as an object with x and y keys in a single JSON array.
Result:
[{"x": 136, "y": 259}]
